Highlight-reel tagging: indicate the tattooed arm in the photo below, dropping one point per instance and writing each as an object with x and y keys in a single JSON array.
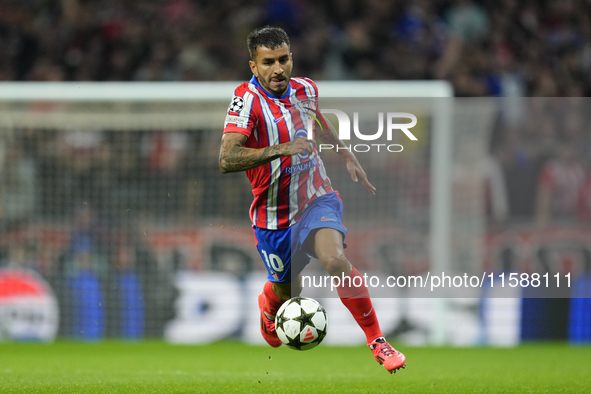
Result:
[
  {"x": 235, "y": 157},
  {"x": 329, "y": 135}
]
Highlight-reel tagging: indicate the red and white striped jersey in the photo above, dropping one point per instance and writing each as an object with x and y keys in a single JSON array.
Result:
[{"x": 284, "y": 187}]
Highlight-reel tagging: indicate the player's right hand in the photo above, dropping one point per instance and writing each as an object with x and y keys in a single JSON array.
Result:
[{"x": 301, "y": 146}]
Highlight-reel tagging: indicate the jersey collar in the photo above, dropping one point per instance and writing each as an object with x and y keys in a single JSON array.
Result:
[{"x": 255, "y": 81}]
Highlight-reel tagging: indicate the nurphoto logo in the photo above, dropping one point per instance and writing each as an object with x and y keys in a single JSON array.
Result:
[{"x": 391, "y": 125}]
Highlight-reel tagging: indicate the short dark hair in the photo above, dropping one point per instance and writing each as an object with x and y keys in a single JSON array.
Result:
[{"x": 268, "y": 36}]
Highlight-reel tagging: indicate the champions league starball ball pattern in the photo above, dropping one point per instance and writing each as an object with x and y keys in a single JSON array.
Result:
[
  {"x": 236, "y": 105},
  {"x": 301, "y": 323}
]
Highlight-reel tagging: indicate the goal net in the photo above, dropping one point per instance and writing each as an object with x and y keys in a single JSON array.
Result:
[{"x": 116, "y": 222}]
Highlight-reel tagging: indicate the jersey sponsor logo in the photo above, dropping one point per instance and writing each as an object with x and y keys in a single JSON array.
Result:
[
  {"x": 277, "y": 120},
  {"x": 236, "y": 105},
  {"x": 240, "y": 121},
  {"x": 301, "y": 167}
]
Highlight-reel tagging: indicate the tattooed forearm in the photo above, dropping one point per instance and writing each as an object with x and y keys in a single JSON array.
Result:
[
  {"x": 242, "y": 159},
  {"x": 234, "y": 157}
]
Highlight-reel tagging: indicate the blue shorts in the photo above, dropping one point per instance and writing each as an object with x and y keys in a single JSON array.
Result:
[{"x": 283, "y": 250}]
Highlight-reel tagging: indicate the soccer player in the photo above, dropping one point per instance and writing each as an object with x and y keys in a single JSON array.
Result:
[{"x": 296, "y": 214}]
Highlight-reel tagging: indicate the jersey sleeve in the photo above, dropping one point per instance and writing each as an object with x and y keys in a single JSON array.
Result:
[
  {"x": 314, "y": 86},
  {"x": 240, "y": 117},
  {"x": 312, "y": 93}
]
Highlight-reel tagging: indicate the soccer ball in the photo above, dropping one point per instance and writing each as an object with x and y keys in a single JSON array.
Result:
[{"x": 301, "y": 323}]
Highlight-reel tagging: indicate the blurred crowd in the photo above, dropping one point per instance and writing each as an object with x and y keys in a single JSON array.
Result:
[
  {"x": 154, "y": 176},
  {"x": 544, "y": 157},
  {"x": 484, "y": 47},
  {"x": 75, "y": 207}
]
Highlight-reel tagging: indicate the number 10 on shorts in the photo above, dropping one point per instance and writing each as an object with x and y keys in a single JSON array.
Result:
[{"x": 273, "y": 261}]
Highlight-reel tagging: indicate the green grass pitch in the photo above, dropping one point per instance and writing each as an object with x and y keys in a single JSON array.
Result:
[{"x": 231, "y": 367}]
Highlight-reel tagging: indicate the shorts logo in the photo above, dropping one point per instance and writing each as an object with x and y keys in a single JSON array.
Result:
[
  {"x": 326, "y": 220},
  {"x": 236, "y": 105}
]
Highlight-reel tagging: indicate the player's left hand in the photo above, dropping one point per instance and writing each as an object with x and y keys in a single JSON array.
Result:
[{"x": 357, "y": 173}]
